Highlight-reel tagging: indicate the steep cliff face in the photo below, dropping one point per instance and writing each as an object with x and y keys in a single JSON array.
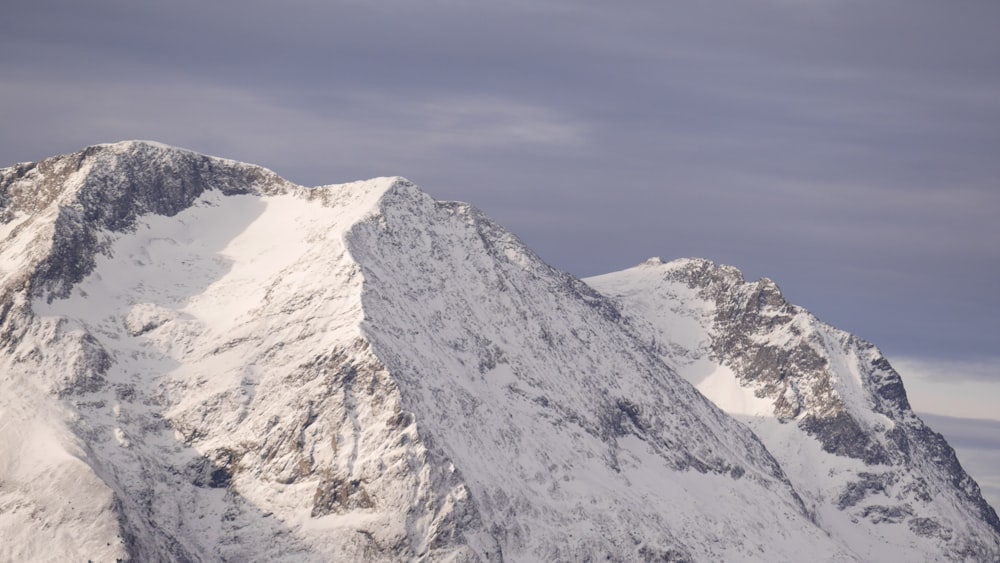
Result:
[
  {"x": 202, "y": 361},
  {"x": 827, "y": 404}
]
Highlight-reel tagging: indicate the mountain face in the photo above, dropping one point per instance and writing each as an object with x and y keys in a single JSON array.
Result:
[
  {"x": 826, "y": 404},
  {"x": 200, "y": 361}
]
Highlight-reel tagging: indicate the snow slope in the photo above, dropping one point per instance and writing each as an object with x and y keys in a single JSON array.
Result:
[
  {"x": 200, "y": 361},
  {"x": 571, "y": 436}
]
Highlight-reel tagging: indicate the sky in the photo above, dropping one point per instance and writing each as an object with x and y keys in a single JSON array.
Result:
[{"x": 847, "y": 149}]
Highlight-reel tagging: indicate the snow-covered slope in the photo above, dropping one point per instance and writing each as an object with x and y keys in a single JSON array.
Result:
[
  {"x": 828, "y": 406},
  {"x": 574, "y": 440},
  {"x": 202, "y": 361}
]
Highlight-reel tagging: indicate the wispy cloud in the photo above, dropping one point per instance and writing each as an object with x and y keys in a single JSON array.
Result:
[
  {"x": 957, "y": 388},
  {"x": 367, "y": 134},
  {"x": 486, "y": 122},
  {"x": 951, "y": 371}
]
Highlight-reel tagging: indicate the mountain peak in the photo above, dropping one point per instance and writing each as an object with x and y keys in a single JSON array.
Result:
[
  {"x": 134, "y": 144},
  {"x": 784, "y": 373},
  {"x": 64, "y": 203},
  {"x": 358, "y": 371}
]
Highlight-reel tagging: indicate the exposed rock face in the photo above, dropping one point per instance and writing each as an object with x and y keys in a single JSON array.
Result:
[
  {"x": 881, "y": 469},
  {"x": 205, "y": 362}
]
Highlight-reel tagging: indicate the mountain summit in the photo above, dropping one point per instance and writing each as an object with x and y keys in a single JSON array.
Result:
[{"x": 201, "y": 361}]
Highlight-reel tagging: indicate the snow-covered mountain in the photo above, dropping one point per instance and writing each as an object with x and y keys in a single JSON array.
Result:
[
  {"x": 201, "y": 361},
  {"x": 826, "y": 404}
]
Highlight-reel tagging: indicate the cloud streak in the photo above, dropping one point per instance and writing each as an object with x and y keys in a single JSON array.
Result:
[
  {"x": 956, "y": 388},
  {"x": 390, "y": 132}
]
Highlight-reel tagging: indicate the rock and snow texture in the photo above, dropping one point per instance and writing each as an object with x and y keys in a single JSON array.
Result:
[
  {"x": 827, "y": 405},
  {"x": 200, "y": 361}
]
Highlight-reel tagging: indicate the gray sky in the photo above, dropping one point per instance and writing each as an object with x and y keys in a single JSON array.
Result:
[{"x": 849, "y": 150}]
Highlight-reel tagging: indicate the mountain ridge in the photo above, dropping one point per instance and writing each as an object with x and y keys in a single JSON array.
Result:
[{"x": 280, "y": 363}]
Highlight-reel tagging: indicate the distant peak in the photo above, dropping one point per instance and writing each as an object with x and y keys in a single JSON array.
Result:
[
  {"x": 145, "y": 149},
  {"x": 399, "y": 183},
  {"x": 138, "y": 143},
  {"x": 693, "y": 262},
  {"x": 679, "y": 263},
  {"x": 140, "y": 147}
]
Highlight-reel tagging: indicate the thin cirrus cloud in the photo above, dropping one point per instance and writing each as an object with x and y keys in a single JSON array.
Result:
[
  {"x": 372, "y": 134},
  {"x": 957, "y": 388}
]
